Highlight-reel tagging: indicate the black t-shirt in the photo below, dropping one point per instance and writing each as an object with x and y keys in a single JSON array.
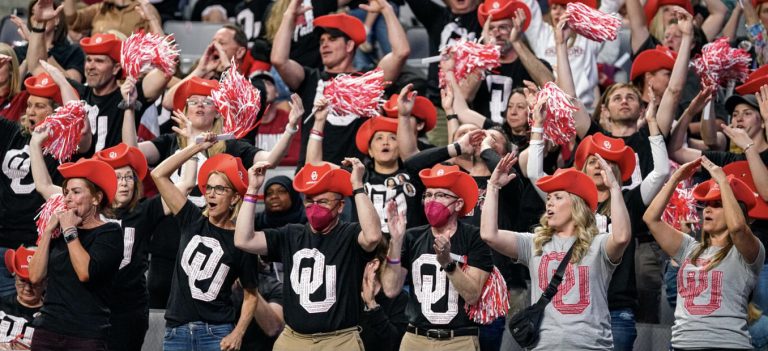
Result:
[
  {"x": 74, "y": 308},
  {"x": 443, "y": 28},
  {"x": 640, "y": 144},
  {"x": 67, "y": 55},
  {"x": 323, "y": 275},
  {"x": 206, "y": 267},
  {"x": 105, "y": 118},
  {"x": 305, "y": 41},
  {"x": 16, "y": 319},
  {"x": 434, "y": 302},
  {"x": 251, "y": 15},
  {"x": 130, "y": 283},
  {"x": 271, "y": 290},
  {"x": 493, "y": 95},
  {"x": 383, "y": 328},
  {"x": 19, "y": 202},
  {"x": 340, "y": 131},
  {"x": 405, "y": 187}
]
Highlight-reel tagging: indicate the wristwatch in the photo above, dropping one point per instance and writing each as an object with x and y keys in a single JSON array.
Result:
[
  {"x": 70, "y": 235},
  {"x": 449, "y": 268}
]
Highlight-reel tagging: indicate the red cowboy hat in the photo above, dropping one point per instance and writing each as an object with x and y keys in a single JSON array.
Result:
[
  {"x": 571, "y": 181},
  {"x": 502, "y": 9},
  {"x": 710, "y": 191},
  {"x": 349, "y": 25},
  {"x": 590, "y": 3},
  {"x": 193, "y": 86},
  {"x": 422, "y": 110},
  {"x": 227, "y": 164},
  {"x": 313, "y": 180},
  {"x": 757, "y": 2},
  {"x": 740, "y": 170},
  {"x": 102, "y": 44},
  {"x": 122, "y": 155},
  {"x": 96, "y": 171},
  {"x": 42, "y": 85},
  {"x": 370, "y": 127},
  {"x": 611, "y": 149},
  {"x": 755, "y": 81},
  {"x": 652, "y": 60},
  {"x": 652, "y": 6},
  {"x": 17, "y": 261},
  {"x": 453, "y": 179}
]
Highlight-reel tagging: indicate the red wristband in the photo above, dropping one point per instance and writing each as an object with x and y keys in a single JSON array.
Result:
[{"x": 316, "y": 132}]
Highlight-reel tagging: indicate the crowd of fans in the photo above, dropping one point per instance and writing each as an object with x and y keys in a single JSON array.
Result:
[{"x": 428, "y": 226}]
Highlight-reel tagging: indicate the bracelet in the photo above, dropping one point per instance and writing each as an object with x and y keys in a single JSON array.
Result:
[
  {"x": 491, "y": 186},
  {"x": 393, "y": 261},
  {"x": 291, "y": 131},
  {"x": 536, "y": 142},
  {"x": 37, "y": 30},
  {"x": 250, "y": 198},
  {"x": 360, "y": 190},
  {"x": 452, "y": 116},
  {"x": 124, "y": 105},
  {"x": 539, "y": 130},
  {"x": 316, "y": 132},
  {"x": 315, "y": 137},
  {"x": 457, "y": 147},
  {"x": 749, "y": 146}
]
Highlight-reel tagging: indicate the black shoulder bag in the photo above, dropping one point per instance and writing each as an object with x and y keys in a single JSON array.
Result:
[{"x": 525, "y": 325}]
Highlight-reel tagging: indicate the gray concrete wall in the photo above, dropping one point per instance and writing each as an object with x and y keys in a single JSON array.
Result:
[{"x": 7, "y": 5}]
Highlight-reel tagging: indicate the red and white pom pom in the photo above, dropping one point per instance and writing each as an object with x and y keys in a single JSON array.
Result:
[
  {"x": 238, "y": 102},
  {"x": 559, "y": 126},
  {"x": 681, "y": 208},
  {"x": 143, "y": 51},
  {"x": 493, "y": 302},
  {"x": 64, "y": 125},
  {"x": 719, "y": 64},
  {"x": 356, "y": 94},
  {"x": 469, "y": 57},
  {"x": 591, "y": 23},
  {"x": 54, "y": 204}
]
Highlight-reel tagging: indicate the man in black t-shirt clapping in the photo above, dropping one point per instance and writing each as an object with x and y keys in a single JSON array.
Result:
[{"x": 323, "y": 260}]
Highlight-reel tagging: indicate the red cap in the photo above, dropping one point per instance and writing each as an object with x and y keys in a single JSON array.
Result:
[
  {"x": 652, "y": 6},
  {"x": 96, "y": 171},
  {"x": 755, "y": 81},
  {"x": 571, "y": 181},
  {"x": 590, "y": 3},
  {"x": 312, "y": 180},
  {"x": 349, "y": 25},
  {"x": 102, "y": 44},
  {"x": 757, "y": 2},
  {"x": 122, "y": 155},
  {"x": 193, "y": 86},
  {"x": 611, "y": 149},
  {"x": 453, "y": 179},
  {"x": 17, "y": 261},
  {"x": 227, "y": 164},
  {"x": 502, "y": 9},
  {"x": 42, "y": 85},
  {"x": 710, "y": 191},
  {"x": 370, "y": 127},
  {"x": 740, "y": 170},
  {"x": 422, "y": 109},
  {"x": 653, "y": 60}
]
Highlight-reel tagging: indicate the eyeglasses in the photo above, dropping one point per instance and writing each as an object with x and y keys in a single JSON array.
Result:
[
  {"x": 277, "y": 192},
  {"x": 208, "y": 102},
  {"x": 502, "y": 28},
  {"x": 438, "y": 196},
  {"x": 713, "y": 204},
  {"x": 321, "y": 202},
  {"x": 125, "y": 178},
  {"x": 23, "y": 282},
  {"x": 218, "y": 190}
]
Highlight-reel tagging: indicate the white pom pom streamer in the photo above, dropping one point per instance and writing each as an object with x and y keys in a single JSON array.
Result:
[{"x": 238, "y": 102}]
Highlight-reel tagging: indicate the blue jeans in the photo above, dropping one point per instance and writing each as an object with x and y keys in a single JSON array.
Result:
[
  {"x": 760, "y": 295},
  {"x": 623, "y": 329},
  {"x": 758, "y": 330},
  {"x": 377, "y": 34},
  {"x": 196, "y": 336},
  {"x": 7, "y": 281},
  {"x": 670, "y": 283},
  {"x": 490, "y": 335}
]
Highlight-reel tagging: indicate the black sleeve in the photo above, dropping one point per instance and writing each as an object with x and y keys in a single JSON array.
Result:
[
  {"x": 245, "y": 151},
  {"x": 75, "y": 60},
  {"x": 270, "y": 288},
  {"x": 488, "y": 124},
  {"x": 81, "y": 89},
  {"x": 479, "y": 252},
  {"x": 648, "y": 44},
  {"x": 275, "y": 241},
  {"x": 153, "y": 210},
  {"x": 595, "y": 128},
  {"x": 636, "y": 209},
  {"x": 405, "y": 255},
  {"x": 387, "y": 326},
  {"x": 249, "y": 274},
  {"x": 164, "y": 144},
  {"x": 492, "y": 159},
  {"x": 7, "y": 129},
  {"x": 188, "y": 216},
  {"x": 722, "y": 158},
  {"x": 426, "y": 11},
  {"x": 105, "y": 253},
  {"x": 426, "y": 159}
]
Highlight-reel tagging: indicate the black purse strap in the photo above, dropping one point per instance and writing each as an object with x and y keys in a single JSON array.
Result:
[{"x": 551, "y": 290}]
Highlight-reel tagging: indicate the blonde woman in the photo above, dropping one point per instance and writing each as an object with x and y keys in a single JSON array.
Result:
[
  {"x": 717, "y": 274},
  {"x": 12, "y": 100},
  {"x": 578, "y": 315}
]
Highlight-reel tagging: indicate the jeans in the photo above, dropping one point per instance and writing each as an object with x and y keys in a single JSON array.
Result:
[
  {"x": 623, "y": 329},
  {"x": 377, "y": 34},
  {"x": 7, "y": 281},
  {"x": 670, "y": 283},
  {"x": 490, "y": 335},
  {"x": 758, "y": 330},
  {"x": 760, "y": 295},
  {"x": 196, "y": 336}
]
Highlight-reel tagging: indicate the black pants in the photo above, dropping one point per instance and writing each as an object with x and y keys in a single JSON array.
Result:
[
  {"x": 128, "y": 330},
  {"x": 44, "y": 340}
]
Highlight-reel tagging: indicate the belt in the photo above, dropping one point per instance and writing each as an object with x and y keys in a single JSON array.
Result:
[{"x": 443, "y": 334}]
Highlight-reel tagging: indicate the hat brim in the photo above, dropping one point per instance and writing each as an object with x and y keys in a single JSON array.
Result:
[
  {"x": 625, "y": 158},
  {"x": 735, "y": 100},
  {"x": 96, "y": 171},
  {"x": 752, "y": 86},
  {"x": 650, "y": 61},
  {"x": 571, "y": 181},
  {"x": 423, "y": 110},
  {"x": 227, "y": 164},
  {"x": 369, "y": 128},
  {"x": 460, "y": 183},
  {"x": 507, "y": 11},
  {"x": 335, "y": 181},
  {"x": 349, "y": 25}
]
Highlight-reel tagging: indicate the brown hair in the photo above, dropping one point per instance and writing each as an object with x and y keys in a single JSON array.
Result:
[
  {"x": 15, "y": 80},
  {"x": 607, "y": 94},
  {"x": 60, "y": 30},
  {"x": 104, "y": 206}
]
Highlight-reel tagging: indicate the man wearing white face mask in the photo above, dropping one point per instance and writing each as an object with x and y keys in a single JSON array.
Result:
[{"x": 440, "y": 287}]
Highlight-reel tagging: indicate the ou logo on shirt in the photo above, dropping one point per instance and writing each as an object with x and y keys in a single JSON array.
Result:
[
  {"x": 430, "y": 289},
  {"x": 305, "y": 281},
  {"x": 691, "y": 287},
  {"x": 192, "y": 263},
  {"x": 569, "y": 281}
]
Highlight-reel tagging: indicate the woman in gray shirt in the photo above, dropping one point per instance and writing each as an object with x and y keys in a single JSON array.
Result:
[{"x": 717, "y": 274}]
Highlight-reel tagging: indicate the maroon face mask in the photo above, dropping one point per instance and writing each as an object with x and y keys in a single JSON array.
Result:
[
  {"x": 319, "y": 217},
  {"x": 437, "y": 213}
]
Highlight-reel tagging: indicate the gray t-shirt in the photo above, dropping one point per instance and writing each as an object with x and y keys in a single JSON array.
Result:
[
  {"x": 711, "y": 307},
  {"x": 578, "y": 315}
]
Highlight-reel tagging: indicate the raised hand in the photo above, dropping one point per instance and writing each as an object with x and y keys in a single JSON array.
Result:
[
  {"x": 395, "y": 220},
  {"x": 468, "y": 142},
  {"x": 21, "y": 29},
  {"x": 43, "y": 11},
  {"x": 321, "y": 109},
  {"x": 69, "y": 218},
  {"x": 256, "y": 175},
  {"x": 562, "y": 30},
  {"x": 503, "y": 174},
  {"x": 442, "y": 248},
  {"x": 762, "y": 101},
  {"x": 684, "y": 20},
  {"x": 370, "y": 283},
  {"x": 516, "y": 34},
  {"x": 687, "y": 170},
  {"x": 446, "y": 99},
  {"x": 406, "y": 100},
  {"x": 297, "y": 110},
  {"x": 738, "y": 136},
  {"x": 56, "y": 74},
  {"x": 609, "y": 179},
  {"x": 128, "y": 90},
  {"x": 40, "y": 134},
  {"x": 714, "y": 170},
  {"x": 376, "y": 6},
  {"x": 358, "y": 170}
]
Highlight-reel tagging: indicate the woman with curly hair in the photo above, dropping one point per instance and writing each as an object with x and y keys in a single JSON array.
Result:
[{"x": 578, "y": 315}]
